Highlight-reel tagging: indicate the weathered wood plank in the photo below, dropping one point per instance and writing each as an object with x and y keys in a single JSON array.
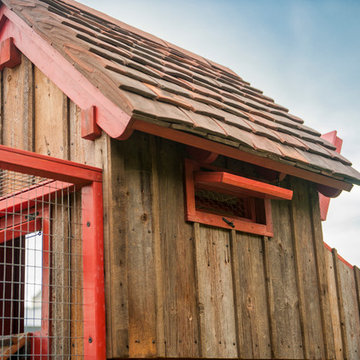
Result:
[
  {"x": 110, "y": 156},
  {"x": 285, "y": 311},
  {"x": 17, "y": 128},
  {"x": 270, "y": 298},
  {"x": 159, "y": 274},
  {"x": 216, "y": 299},
  {"x": 309, "y": 302},
  {"x": 334, "y": 306},
  {"x": 351, "y": 311},
  {"x": 177, "y": 250},
  {"x": 357, "y": 280},
  {"x": 320, "y": 262},
  {"x": 51, "y": 135},
  {"x": 250, "y": 295},
  {"x": 339, "y": 291},
  {"x": 140, "y": 261},
  {"x": 81, "y": 150},
  {"x": 51, "y": 118}
]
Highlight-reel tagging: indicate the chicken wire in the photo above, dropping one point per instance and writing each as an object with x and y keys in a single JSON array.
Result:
[
  {"x": 41, "y": 280},
  {"x": 222, "y": 204}
]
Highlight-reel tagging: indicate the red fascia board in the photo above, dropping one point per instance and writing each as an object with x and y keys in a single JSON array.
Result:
[
  {"x": 236, "y": 183},
  {"x": 237, "y": 154},
  {"x": 110, "y": 117},
  {"x": 44, "y": 166}
]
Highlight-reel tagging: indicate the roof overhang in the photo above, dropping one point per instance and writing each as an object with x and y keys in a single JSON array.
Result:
[
  {"x": 328, "y": 183},
  {"x": 112, "y": 119},
  {"x": 81, "y": 91}
]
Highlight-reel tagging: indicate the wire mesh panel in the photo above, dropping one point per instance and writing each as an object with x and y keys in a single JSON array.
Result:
[
  {"x": 223, "y": 204},
  {"x": 41, "y": 268}
]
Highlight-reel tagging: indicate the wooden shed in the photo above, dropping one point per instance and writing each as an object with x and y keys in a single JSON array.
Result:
[{"x": 153, "y": 204}]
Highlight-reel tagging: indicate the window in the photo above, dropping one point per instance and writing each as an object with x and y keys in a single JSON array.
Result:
[
  {"x": 219, "y": 198},
  {"x": 33, "y": 282}
]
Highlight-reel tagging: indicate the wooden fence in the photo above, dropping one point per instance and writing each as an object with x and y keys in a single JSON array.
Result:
[{"x": 344, "y": 291}]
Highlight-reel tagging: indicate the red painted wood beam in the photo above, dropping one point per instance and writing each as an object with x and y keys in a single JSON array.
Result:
[
  {"x": 60, "y": 71},
  {"x": 27, "y": 162},
  {"x": 239, "y": 184},
  {"x": 43, "y": 192},
  {"x": 9, "y": 54},
  {"x": 237, "y": 154},
  {"x": 201, "y": 156},
  {"x": 93, "y": 272},
  {"x": 325, "y": 192},
  {"x": 89, "y": 128}
]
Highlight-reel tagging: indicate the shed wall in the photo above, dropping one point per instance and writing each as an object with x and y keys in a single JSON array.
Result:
[{"x": 178, "y": 289}]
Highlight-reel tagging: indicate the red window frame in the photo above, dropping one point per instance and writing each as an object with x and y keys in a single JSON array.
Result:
[
  {"x": 66, "y": 174},
  {"x": 216, "y": 179}
]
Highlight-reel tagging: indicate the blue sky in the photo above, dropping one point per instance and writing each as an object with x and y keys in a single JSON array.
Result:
[{"x": 304, "y": 54}]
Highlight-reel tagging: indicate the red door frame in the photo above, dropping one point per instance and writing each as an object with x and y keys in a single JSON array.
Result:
[{"x": 90, "y": 180}]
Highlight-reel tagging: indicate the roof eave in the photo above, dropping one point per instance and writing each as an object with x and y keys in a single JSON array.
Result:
[
  {"x": 109, "y": 117},
  {"x": 236, "y": 153}
]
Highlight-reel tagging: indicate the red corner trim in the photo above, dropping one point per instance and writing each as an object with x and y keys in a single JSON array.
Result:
[
  {"x": 109, "y": 116},
  {"x": 9, "y": 54},
  {"x": 89, "y": 129},
  {"x": 325, "y": 193}
]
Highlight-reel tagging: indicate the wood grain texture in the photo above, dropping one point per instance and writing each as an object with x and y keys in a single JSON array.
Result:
[
  {"x": 17, "y": 115},
  {"x": 159, "y": 272},
  {"x": 250, "y": 294},
  {"x": 141, "y": 266},
  {"x": 51, "y": 118},
  {"x": 115, "y": 244},
  {"x": 320, "y": 261},
  {"x": 177, "y": 251},
  {"x": 307, "y": 280},
  {"x": 351, "y": 309},
  {"x": 286, "y": 310},
  {"x": 357, "y": 280},
  {"x": 334, "y": 305},
  {"x": 340, "y": 296},
  {"x": 216, "y": 299}
]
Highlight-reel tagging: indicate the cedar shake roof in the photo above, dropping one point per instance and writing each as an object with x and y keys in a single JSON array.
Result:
[{"x": 153, "y": 80}]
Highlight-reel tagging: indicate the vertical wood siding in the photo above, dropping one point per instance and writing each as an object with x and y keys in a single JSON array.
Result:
[{"x": 177, "y": 289}]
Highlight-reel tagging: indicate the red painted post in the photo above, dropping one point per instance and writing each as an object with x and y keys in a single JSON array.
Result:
[{"x": 93, "y": 272}]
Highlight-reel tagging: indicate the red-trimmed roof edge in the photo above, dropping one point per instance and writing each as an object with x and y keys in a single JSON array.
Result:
[
  {"x": 110, "y": 117},
  {"x": 69, "y": 80}
]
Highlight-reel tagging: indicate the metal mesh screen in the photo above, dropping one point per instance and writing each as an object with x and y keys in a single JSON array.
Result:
[
  {"x": 222, "y": 204},
  {"x": 41, "y": 306}
]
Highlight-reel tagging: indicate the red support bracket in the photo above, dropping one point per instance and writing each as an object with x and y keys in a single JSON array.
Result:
[
  {"x": 326, "y": 192},
  {"x": 89, "y": 128},
  {"x": 9, "y": 55}
]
